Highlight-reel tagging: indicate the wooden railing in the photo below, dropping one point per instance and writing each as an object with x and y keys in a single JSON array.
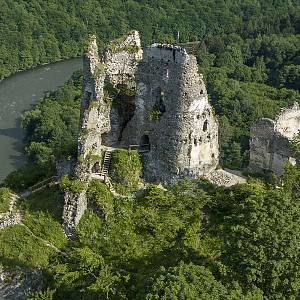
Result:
[
  {"x": 38, "y": 186},
  {"x": 43, "y": 183},
  {"x": 139, "y": 148}
]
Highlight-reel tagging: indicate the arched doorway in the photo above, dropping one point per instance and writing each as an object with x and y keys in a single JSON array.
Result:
[{"x": 144, "y": 143}]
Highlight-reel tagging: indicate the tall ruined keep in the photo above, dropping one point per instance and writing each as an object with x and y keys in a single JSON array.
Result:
[
  {"x": 154, "y": 101},
  {"x": 269, "y": 142}
]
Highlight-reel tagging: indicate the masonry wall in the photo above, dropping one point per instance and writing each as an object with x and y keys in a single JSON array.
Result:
[
  {"x": 169, "y": 117},
  {"x": 269, "y": 142},
  {"x": 97, "y": 118},
  {"x": 94, "y": 118},
  {"x": 168, "y": 82}
]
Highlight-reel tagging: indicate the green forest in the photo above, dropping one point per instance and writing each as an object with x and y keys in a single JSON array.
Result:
[{"x": 192, "y": 240}]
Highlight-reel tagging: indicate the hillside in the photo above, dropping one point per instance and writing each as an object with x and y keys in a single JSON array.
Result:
[{"x": 189, "y": 240}]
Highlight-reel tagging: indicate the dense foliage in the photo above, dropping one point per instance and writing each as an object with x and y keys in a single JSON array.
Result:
[
  {"x": 36, "y": 32},
  {"x": 31, "y": 243},
  {"x": 126, "y": 170},
  {"x": 160, "y": 245},
  {"x": 192, "y": 240},
  {"x": 248, "y": 79}
]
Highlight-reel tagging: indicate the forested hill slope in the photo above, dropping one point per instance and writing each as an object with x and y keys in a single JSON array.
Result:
[{"x": 37, "y": 31}]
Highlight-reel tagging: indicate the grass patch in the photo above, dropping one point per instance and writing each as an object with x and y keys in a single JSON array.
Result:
[
  {"x": 126, "y": 169},
  {"x": 49, "y": 201},
  {"x": 99, "y": 195},
  {"x": 22, "y": 246},
  {"x": 44, "y": 226},
  {"x": 72, "y": 186},
  {"x": 5, "y": 197},
  {"x": 18, "y": 247},
  {"x": 43, "y": 215}
]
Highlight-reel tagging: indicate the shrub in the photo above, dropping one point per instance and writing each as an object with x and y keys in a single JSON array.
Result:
[
  {"x": 18, "y": 246},
  {"x": 99, "y": 195},
  {"x": 27, "y": 176},
  {"x": 126, "y": 169},
  {"x": 5, "y": 196},
  {"x": 73, "y": 186},
  {"x": 155, "y": 114}
]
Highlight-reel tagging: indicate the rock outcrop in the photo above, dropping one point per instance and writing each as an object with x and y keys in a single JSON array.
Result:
[
  {"x": 269, "y": 142},
  {"x": 13, "y": 216},
  {"x": 17, "y": 285}
]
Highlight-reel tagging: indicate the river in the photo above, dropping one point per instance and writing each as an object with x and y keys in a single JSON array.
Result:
[{"x": 18, "y": 93}]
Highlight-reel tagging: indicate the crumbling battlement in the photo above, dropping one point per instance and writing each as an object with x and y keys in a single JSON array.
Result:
[
  {"x": 167, "y": 53},
  {"x": 121, "y": 59},
  {"x": 269, "y": 142}
]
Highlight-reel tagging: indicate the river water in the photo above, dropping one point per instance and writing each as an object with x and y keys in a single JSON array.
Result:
[{"x": 20, "y": 92}]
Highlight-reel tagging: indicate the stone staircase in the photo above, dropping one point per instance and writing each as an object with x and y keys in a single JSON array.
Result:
[
  {"x": 106, "y": 162},
  {"x": 105, "y": 169}
]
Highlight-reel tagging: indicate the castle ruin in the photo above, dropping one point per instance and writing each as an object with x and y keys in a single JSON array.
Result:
[
  {"x": 269, "y": 142},
  {"x": 160, "y": 108}
]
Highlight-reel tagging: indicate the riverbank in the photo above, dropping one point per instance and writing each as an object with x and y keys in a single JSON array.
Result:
[
  {"x": 38, "y": 66},
  {"x": 19, "y": 92}
]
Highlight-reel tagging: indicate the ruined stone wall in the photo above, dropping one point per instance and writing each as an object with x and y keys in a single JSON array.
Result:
[
  {"x": 94, "y": 119},
  {"x": 269, "y": 142},
  {"x": 288, "y": 121},
  {"x": 173, "y": 113},
  {"x": 74, "y": 208},
  {"x": 170, "y": 114},
  {"x": 18, "y": 283},
  {"x": 13, "y": 216},
  {"x": 117, "y": 66},
  {"x": 121, "y": 59}
]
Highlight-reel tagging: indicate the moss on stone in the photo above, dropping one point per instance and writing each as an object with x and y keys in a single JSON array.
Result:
[
  {"x": 85, "y": 132},
  {"x": 127, "y": 92},
  {"x": 155, "y": 114},
  {"x": 99, "y": 70},
  {"x": 118, "y": 45},
  {"x": 93, "y": 104},
  {"x": 107, "y": 98},
  {"x": 113, "y": 95}
]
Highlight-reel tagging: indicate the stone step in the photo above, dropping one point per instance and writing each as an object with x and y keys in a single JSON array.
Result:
[{"x": 106, "y": 162}]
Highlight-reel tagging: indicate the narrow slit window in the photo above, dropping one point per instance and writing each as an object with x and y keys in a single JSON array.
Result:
[{"x": 205, "y": 125}]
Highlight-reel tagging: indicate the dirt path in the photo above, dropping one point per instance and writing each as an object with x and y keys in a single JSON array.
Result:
[{"x": 47, "y": 243}]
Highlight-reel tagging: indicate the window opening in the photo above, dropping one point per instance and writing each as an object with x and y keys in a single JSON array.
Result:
[{"x": 205, "y": 125}]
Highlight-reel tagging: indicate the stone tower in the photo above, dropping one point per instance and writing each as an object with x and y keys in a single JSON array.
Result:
[
  {"x": 97, "y": 117},
  {"x": 172, "y": 116},
  {"x": 163, "y": 111}
]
